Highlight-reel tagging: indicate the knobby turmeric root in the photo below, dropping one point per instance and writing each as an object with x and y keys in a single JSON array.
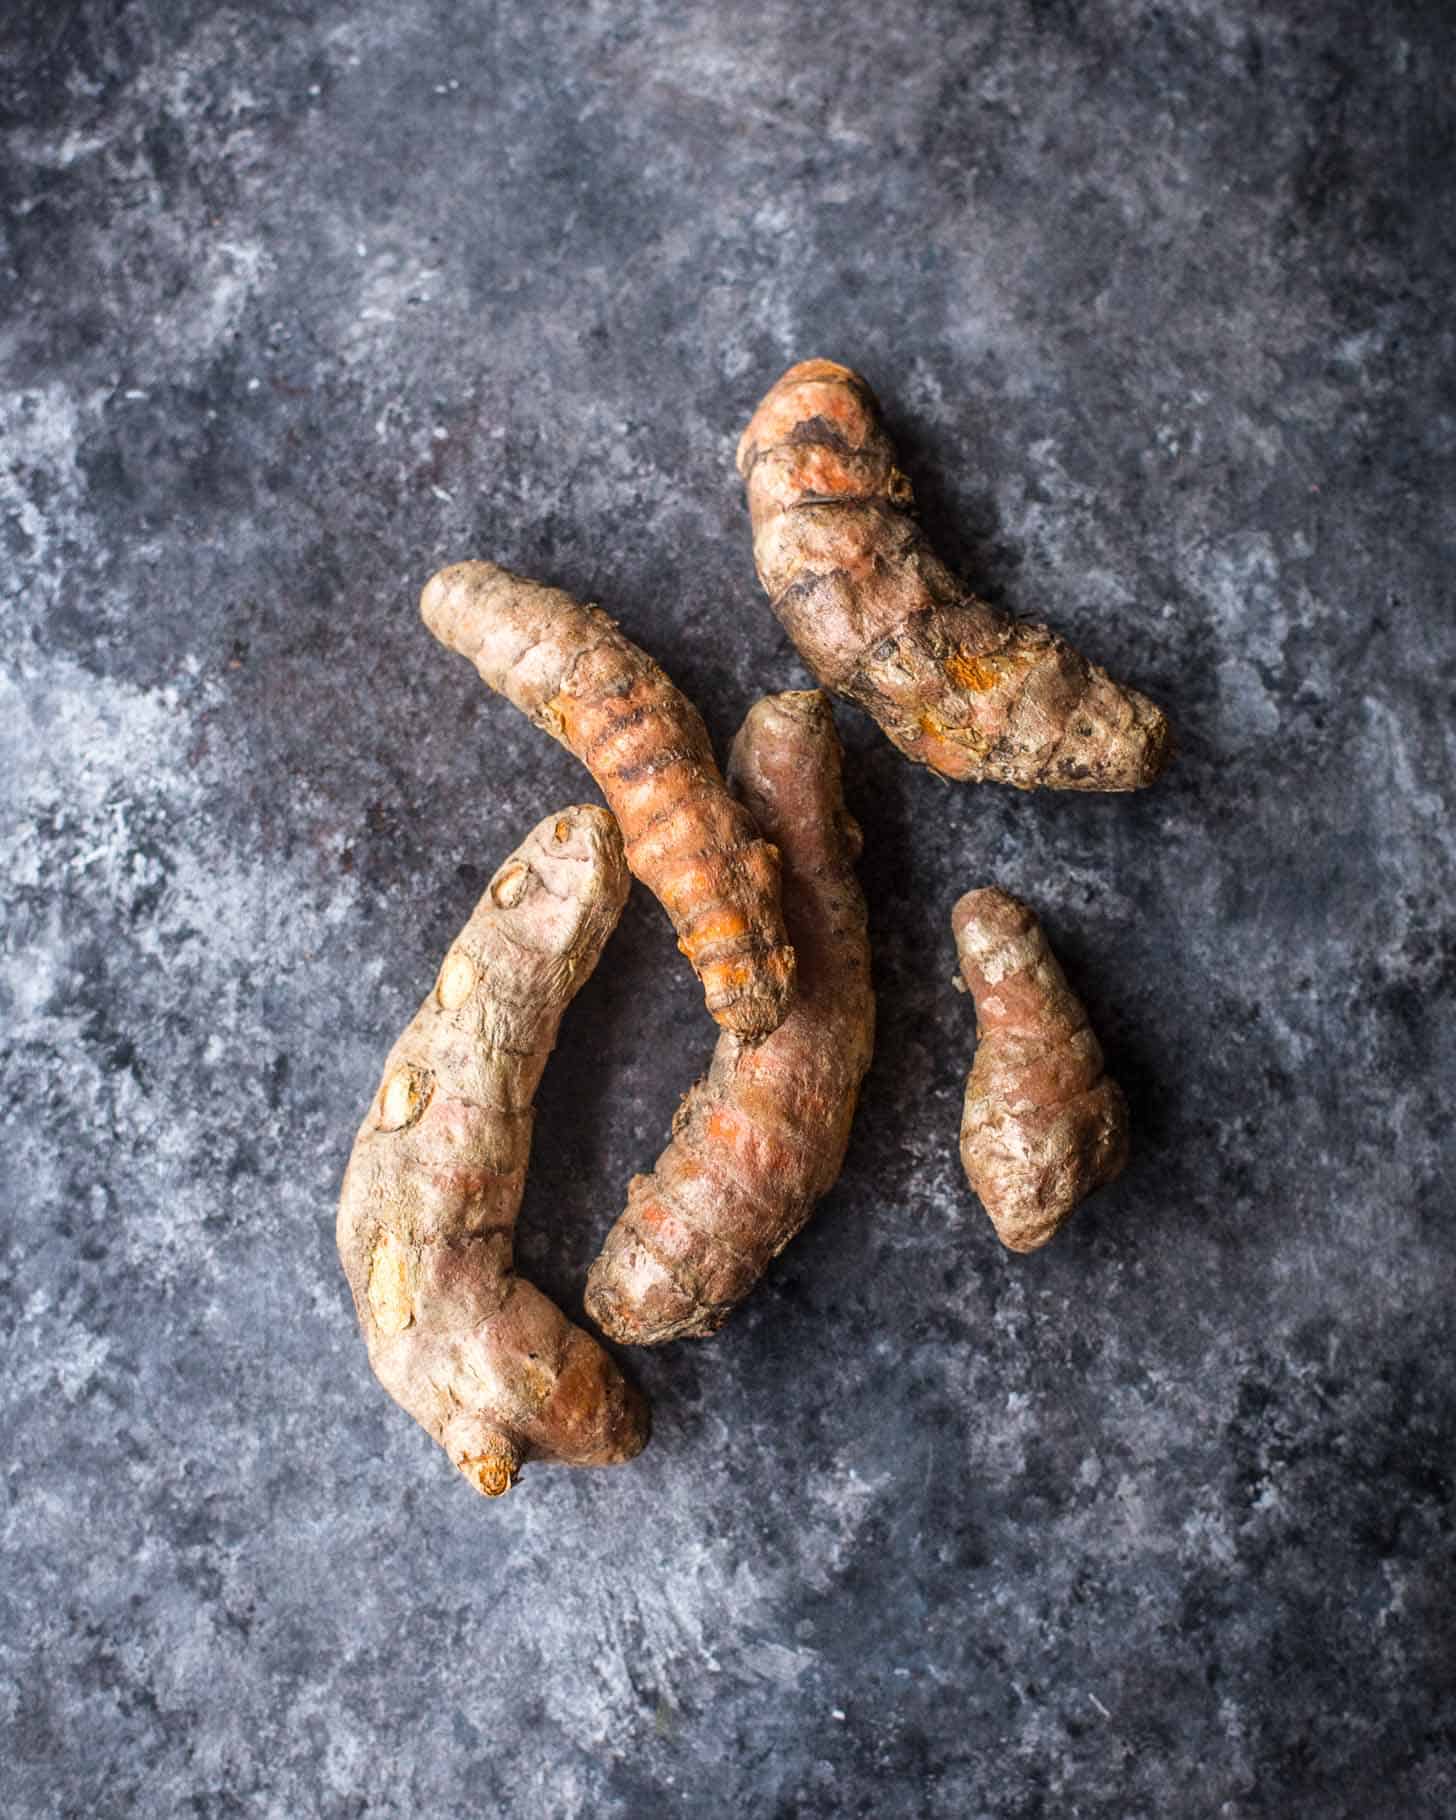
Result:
[
  {"x": 1043, "y": 1125},
  {"x": 761, "y": 1138},
  {"x": 880, "y": 619},
  {"x": 570, "y": 670},
  {"x": 486, "y": 1363}
]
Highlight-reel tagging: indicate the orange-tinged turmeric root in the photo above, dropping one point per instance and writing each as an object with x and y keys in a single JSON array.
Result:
[
  {"x": 880, "y": 619},
  {"x": 762, "y": 1137},
  {"x": 571, "y": 672},
  {"x": 1042, "y": 1126},
  {"x": 483, "y": 1361}
]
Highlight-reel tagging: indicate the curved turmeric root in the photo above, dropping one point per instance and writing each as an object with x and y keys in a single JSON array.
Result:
[
  {"x": 486, "y": 1363},
  {"x": 570, "y": 671},
  {"x": 762, "y": 1137},
  {"x": 1043, "y": 1126},
  {"x": 880, "y": 619}
]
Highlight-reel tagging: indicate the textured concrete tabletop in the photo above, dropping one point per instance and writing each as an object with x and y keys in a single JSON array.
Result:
[{"x": 302, "y": 300}]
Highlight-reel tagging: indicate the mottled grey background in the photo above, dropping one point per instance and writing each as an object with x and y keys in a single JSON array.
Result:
[{"x": 301, "y": 301}]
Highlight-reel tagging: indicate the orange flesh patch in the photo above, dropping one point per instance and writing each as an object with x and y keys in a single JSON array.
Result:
[
  {"x": 794, "y": 401},
  {"x": 721, "y": 925},
  {"x": 762, "y": 1153},
  {"x": 978, "y": 674},
  {"x": 652, "y": 1215},
  {"x": 722, "y": 1126},
  {"x": 816, "y": 469},
  {"x": 692, "y": 883}
]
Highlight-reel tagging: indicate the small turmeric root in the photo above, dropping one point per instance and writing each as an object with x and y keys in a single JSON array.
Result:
[
  {"x": 762, "y": 1137},
  {"x": 880, "y": 619},
  {"x": 486, "y": 1363},
  {"x": 571, "y": 672},
  {"x": 1043, "y": 1126}
]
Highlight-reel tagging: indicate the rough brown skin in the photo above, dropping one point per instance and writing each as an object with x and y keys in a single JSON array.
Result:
[
  {"x": 762, "y": 1137},
  {"x": 1043, "y": 1125},
  {"x": 571, "y": 672},
  {"x": 493, "y": 1370},
  {"x": 880, "y": 619}
]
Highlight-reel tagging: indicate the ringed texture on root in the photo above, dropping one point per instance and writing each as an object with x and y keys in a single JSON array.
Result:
[
  {"x": 762, "y": 1137},
  {"x": 481, "y": 1359},
  {"x": 881, "y": 620},
  {"x": 572, "y": 673}
]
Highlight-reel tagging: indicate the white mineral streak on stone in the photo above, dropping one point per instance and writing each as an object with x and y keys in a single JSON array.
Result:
[{"x": 40, "y": 430}]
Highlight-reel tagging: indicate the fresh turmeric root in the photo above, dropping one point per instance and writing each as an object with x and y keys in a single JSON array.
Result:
[
  {"x": 486, "y": 1363},
  {"x": 761, "y": 1138},
  {"x": 880, "y": 619},
  {"x": 571, "y": 672},
  {"x": 1043, "y": 1125}
]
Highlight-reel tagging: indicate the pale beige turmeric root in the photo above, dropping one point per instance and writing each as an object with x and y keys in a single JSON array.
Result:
[
  {"x": 491, "y": 1368},
  {"x": 1042, "y": 1125},
  {"x": 571, "y": 672},
  {"x": 880, "y": 619},
  {"x": 761, "y": 1138}
]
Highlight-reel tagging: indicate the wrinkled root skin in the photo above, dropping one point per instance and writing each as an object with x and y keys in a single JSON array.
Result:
[
  {"x": 879, "y": 618},
  {"x": 573, "y": 674},
  {"x": 762, "y": 1137},
  {"x": 1042, "y": 1126},
  {"x": 483, "y": 1361}
]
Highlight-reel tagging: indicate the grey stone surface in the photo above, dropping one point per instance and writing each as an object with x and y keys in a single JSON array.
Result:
[{"x": 301, "y": 301}]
